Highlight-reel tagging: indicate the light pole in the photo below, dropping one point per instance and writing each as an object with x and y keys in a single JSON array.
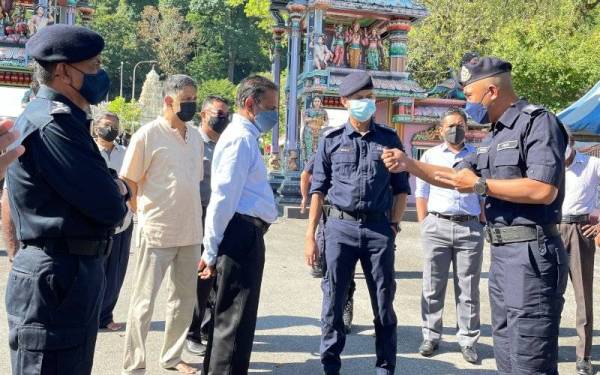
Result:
[
  {"x": 134, "y": 69},
  {"x": 121, "y": 86}
]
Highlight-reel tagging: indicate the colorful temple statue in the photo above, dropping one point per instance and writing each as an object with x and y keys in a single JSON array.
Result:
[
  {"x": 315, "y": 118},
  {"x": 337, "y": 46},
  {"x": 39, "y": 20},
  {"x": 374, "y": 49},
  {"x": 322, "y": 54},
  {"x": 354, "y": 39}
]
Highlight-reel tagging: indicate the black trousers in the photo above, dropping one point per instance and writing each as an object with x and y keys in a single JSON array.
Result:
[
  {"x": 202, "y": 320},
  {"x": 115, "y": 267},
  {"x": 239, "y": 276}
]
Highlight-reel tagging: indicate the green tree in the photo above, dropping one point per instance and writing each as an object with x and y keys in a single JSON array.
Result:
[
  {"x": 165, "y": 30},
  {"x": 128, "y": 112},
  {"x": 229, "y": 44},
  {"x": 220, "y": 87},
  {"x": 119, "y": 29},
  {"x": 551, "y": 43}
]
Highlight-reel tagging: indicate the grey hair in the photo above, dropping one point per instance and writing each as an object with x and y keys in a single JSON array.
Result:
[
  {"x": 210, "y": 100},
  {"x": 104, "y": 114},
  {"x": 253, "y": 87},
  {"x": 177, "y": 83},
  {"x": 43, "y": 72}
]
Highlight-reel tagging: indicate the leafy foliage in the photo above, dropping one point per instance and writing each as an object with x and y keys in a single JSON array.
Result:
[
  {"x": 220, "y": 87},
  {"x": 128, "y": 112}
]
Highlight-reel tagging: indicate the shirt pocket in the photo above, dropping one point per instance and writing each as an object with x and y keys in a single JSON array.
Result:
[
  {"x": 483, "y": 164},
  {"x": 506, "y": 164},
  {"x": 343, "y": 163},
  {"x": 376, "y": 163}
]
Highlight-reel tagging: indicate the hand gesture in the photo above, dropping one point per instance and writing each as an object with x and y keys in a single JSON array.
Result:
[
  {"x": 463, "y": 180},
  {"x": 394, "y": 160},
  {"x": 205, "y": 271},
  {"x": 8, "y": 137},
  {"x": 311, "y": 251}
]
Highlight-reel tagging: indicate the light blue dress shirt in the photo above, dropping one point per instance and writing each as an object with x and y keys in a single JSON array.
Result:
[
  {"x": 447, "y": 201},
  {"x": 239, "y": 184}
]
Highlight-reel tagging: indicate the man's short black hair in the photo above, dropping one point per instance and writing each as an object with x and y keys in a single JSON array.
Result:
[
  {"x": 253, "y": 87},
  {"x": 211, "y": 99},
  {"x": 43, "y": 72},
  {"x": 177, "y": 83},
  {"x": 454, "y": 111}
]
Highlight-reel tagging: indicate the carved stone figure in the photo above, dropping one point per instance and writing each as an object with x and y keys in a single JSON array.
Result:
[
  {"x": 322, "y": 54},
  {"x": 353, "y": 40},
  {"x": 274, "y": 163},
  {"x": 292, "y": 161},
  {"x": 374, "y": 49},
  {"x": 337, "y": 46},
  {"x": 314, "y": 118},
  {"x": 39, "y": 20}
]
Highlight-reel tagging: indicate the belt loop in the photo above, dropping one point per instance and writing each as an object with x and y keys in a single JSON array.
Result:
[{"x": 540, "y": 240}]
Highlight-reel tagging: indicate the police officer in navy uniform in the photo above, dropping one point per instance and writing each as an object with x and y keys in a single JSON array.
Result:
[
  {"x": 65, "y": 204},
  {"x": 367, "y": 203},
  {"x": 519, "y": 169}
]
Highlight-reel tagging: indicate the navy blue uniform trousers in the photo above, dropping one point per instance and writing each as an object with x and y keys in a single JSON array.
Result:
[
  {"x": 526, "y": 287},
  {"x": 372, "y": 244},
  {"x": 115, "y": 268},
  {"x": 53, "y": 304}
]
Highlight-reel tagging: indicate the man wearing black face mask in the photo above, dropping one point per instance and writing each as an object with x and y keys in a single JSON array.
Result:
[
  {"x": 163, "y": 166},
  {"x": 519, "y": 169},
  {"x": 451, "y": 233},
  {"x": 215, "y": 118},
  {"x": 66, "y": 205},
  {"x": 106, "y": 129}
]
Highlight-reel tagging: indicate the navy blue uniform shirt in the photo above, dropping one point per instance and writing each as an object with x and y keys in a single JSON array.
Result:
[
  {"x": 526, "y": 142},
  {"x": 61, "y": 187},
  {"x": 349, "y": 170}
]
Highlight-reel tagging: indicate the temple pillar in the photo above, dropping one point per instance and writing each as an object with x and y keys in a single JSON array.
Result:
[
  {"x": 290, "y": 189},
  {"x": 398, "y": 30},
  {"x": 275, "y": 175}
]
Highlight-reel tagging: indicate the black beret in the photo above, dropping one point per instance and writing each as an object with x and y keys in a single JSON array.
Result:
[
  {"x": 355, "y": 82},
  {"x": 482, "y": 67},
  {"x": 64, "y": 43}
]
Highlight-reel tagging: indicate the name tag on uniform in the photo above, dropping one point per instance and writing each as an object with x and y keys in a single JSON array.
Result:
[
  {"x": 345, "y": 149},
  {"x": 482, "y": 150},
  {"x": 507, "y": 145}
]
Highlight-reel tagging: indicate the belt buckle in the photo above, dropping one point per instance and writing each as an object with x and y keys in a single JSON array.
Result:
[{"x": 498, "y": 234}]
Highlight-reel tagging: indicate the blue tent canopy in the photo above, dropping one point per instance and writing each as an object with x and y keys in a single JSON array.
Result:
[{"x": 583, "y": 116}]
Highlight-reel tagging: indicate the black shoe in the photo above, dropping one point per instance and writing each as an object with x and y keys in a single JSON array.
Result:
[
  {"x": 584, "y": 366},
  {"x": 427, "y": 348},
  {"x": 195, "y": 348},
  {"x": 469, "y": 354},
  {"x": 348, "y": 315},
  {"x": 316, "y": 271}
]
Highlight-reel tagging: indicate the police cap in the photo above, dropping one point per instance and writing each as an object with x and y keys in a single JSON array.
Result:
[
  {"x": 64, "y": 43},
  {"x": 483, "y": 67},
  {"x": 355, "y": 82}
]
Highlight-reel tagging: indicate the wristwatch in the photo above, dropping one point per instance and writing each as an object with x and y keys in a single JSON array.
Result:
[{"x": 481, "y": 187}]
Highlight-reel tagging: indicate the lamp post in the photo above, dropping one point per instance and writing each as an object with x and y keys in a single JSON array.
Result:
[
  {"x": 134, "y": 69},
  {"x": 121, "y": 84}
]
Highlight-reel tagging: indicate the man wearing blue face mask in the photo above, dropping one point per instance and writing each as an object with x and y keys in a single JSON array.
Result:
[
  {"x": 241, "y": 208},
  {"x": 519, "y": 169},
  {"x": 367, "y": 204},
  {"x": 66, "y": 205}
]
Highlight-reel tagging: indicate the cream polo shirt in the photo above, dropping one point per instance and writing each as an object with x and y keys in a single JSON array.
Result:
[{"x": 168, "y": 170}]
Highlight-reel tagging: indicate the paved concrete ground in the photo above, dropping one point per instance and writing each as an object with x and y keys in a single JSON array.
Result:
[{"x": 287, "y": 336}]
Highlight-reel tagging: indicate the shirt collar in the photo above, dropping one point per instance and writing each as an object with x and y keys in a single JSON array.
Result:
[
  {"x": 247, "y": 124},
  {"x": 46, "y": 92},
  {"x": 204, "y": 136},
  {"x": 466, "y": 148},
  {"x": 349, "y": 129},
  {"x": 165, "y": 123},
  {"x": 511, "y": 114}
]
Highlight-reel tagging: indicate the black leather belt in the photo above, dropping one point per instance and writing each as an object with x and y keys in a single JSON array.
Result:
[
  {"x": 518, "y": 233},
  {"x": 363, "y": 217},
  {"x": 261, "y": 224},
  {"x": 455, "y": 218},
  {"x": 575, "y": 219},
  {"x": 72, "y": 246}
]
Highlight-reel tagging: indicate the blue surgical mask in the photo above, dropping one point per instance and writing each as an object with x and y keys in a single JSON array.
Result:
[
  {"x": 361, "y": 109},
  {"x": 95, "y": 87},
  {"x": 478, "y": 112},
  {"x": 265, "y": 121}
]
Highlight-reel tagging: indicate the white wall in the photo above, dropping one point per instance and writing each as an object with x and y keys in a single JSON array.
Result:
[{"x": 10, "y": 101}]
